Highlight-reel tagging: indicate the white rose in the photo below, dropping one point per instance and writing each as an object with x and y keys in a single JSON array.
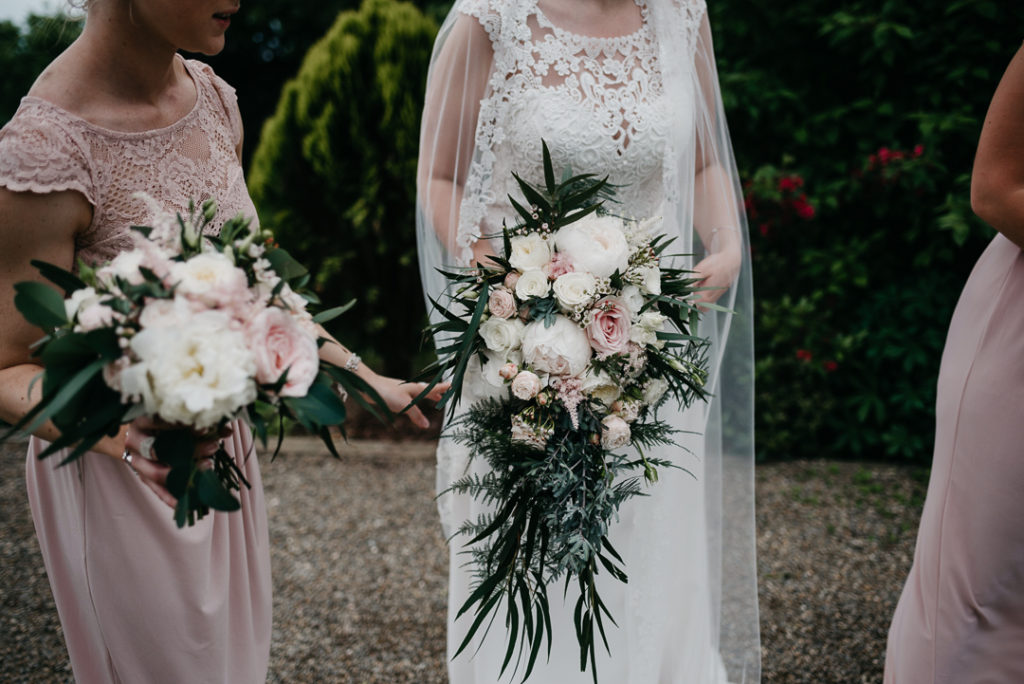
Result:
[
  {"x": 654, "y": 391},
  {"x": 192, "y": 370},
  {"x": 615, "y": 432},
  {"x": 211, "y": 278},
  {"x": 526, "y": 385},
  {"x": 529, "y": 252},
  {"x": 600, "y": 386},
  {"x": 633, "y": 298},
  {"x": 533, "y": 284},
  {"x": 125, "y": 266},
  {"x": 595, "y": 244},
  {"x": 651, "y": 280},
  {"x": 575, "y": 289},
  {"x": 501, "y": 335},
  {"x": 642, "y": 335},
  {"x": 561, "y": 349}
]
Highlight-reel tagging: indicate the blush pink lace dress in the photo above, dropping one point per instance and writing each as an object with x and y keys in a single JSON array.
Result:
[{"x": 140, "y": 600}]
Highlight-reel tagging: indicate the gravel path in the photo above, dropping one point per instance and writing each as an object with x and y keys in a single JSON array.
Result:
[{"x": 360, "y": 568}]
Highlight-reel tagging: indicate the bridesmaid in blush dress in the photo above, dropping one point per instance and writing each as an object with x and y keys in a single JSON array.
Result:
[
  {"x": 960, "y": 619},
  {"x": 120, "y": 111}
]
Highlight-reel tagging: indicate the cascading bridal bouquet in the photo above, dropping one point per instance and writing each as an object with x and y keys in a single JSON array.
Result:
[
  {"x": 583, "y": 329},
  {"x": 192, "y": 330}
]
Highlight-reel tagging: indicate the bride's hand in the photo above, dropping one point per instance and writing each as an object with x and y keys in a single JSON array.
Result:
[
  {"x": 717, "y": 272},
  {"x": 399, "y": 395},
  {"x": 482, "y": 252}
]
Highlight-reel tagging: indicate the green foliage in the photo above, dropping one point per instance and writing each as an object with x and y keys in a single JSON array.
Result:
[
  {"x": 854, "y": 297},
  {"x": 25, "y": 51},
  {"x": 334, "y": 174}
]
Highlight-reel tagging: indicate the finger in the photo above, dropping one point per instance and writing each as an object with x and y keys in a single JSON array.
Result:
[
  {"x": 438, "y": 391},
  {"x": 152, "y": 471},
  {"x": 417, "y": 417},
  {"x": 162, "y": 493}
]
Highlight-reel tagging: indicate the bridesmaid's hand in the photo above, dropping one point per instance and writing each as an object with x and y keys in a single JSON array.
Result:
[
  {"x": 482, "y": 252},
  {"x": 399, "y": 395},
  {"x": 139, "y": 436}
]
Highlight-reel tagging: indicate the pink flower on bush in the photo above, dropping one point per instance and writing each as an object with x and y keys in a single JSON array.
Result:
[
  {"x": 830, "y": 366},
  {"x": 559, "y": 266},
  {"x": 279, "y": 343},
  {"x": 918, "y": 150},
  {"x": 803, "y": 208},
  {"x": 804, "y": 355},
  {"x": 609, "y": 331},
  {"x": 884, "y": 155},
  {"x": 501, "y": 304}
]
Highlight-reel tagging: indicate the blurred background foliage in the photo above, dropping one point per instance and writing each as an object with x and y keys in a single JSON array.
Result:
[{"x": 854, "y": 125}]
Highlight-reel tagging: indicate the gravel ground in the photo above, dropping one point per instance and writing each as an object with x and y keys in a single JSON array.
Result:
[{"x": 360, "y": 568}]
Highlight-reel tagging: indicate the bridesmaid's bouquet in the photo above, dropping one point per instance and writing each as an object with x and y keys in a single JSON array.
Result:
[
  {"x": 582, "y": 330},
  {"x": 190, "y": 329}
]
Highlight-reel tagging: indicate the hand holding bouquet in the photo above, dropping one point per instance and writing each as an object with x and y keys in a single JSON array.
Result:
[
  {"x": 191, "y": 331},
  {"x": 583, "y": 329}
]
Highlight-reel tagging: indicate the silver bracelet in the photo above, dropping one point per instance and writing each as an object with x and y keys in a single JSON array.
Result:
[{"x": 352, "y": 363}]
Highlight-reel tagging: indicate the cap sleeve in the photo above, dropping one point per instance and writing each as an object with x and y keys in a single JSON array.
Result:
[
  {"x": 38, "y": 154},
  {"x": 225, "y": 94}
]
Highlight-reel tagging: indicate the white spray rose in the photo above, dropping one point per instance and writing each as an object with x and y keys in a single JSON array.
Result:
[
  {"x": 501, "y": 335},
  {"x": 595, "y": 244},
  {"x": 526, "y": 385},
  {"x": 575, "y": 289},
  {"x": 533, "y": 284},
  {"x": 615, "y": 432},
  {"x": 561, "y": 349},
  {"x": 529, "y": 252},
  {"x": 600, "y": 386}
]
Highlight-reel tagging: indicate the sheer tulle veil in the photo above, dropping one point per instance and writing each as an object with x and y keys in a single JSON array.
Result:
[{"x": 703, "y": 209}]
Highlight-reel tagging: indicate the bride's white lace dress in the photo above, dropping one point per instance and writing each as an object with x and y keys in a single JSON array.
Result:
[{"x": 600, "y": 105}]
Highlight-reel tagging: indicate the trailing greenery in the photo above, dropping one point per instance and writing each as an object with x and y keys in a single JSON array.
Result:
[{"x": 334, "y": 175}]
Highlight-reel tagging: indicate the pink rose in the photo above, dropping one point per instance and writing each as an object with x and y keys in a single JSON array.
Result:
[
  {"x": 279, "y": 343},
  {"x": 508, "y": 371},
  {"x": 609, "y": 331},
  {"x": 511, "y": 279},
  {"x": 559, "y": 266},
  {"x": 501, "y": 303},
  {"x": 526, "y": 385}
]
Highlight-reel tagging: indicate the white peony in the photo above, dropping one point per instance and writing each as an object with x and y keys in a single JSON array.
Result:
[
  {"x": 501, "y": 335},
  {"x": 491, "y": 369},
  {"x": 80, "y": 300},
  {"x": 595, "y": 244},
  {"x": 529, "y": 252},
  {"x": 533, "y": 283},
  {"x": 561, "y": 349},
  {"x": 575, "y": 289},
  {"x": 192, "y": 369},
  {"x": 211, "y": 278}
]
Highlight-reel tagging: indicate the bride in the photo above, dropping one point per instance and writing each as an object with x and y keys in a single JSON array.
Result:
[{"x": 625, "y": 89}]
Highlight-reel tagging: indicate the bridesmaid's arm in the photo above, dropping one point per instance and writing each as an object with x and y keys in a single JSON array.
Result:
[
  {"x": 43, "y": 227},
  {"x": 398, "y": 394},
  {"x": 997, "y": 182}
]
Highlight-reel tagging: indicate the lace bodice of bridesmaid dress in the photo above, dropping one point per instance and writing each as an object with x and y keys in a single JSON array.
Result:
[
  {"x": 47, "y": 149},
  {"x": 597, "y": 102}
]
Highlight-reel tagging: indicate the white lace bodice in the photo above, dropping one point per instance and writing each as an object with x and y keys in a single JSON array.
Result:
[
  {"x": 44, "y": 148},
  {"x": 599, "y": 103}
]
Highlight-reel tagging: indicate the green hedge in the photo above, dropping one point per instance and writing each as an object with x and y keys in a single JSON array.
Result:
[
  {"x": 334, "y": 174},
  {"x": 868, "y": 114}
]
